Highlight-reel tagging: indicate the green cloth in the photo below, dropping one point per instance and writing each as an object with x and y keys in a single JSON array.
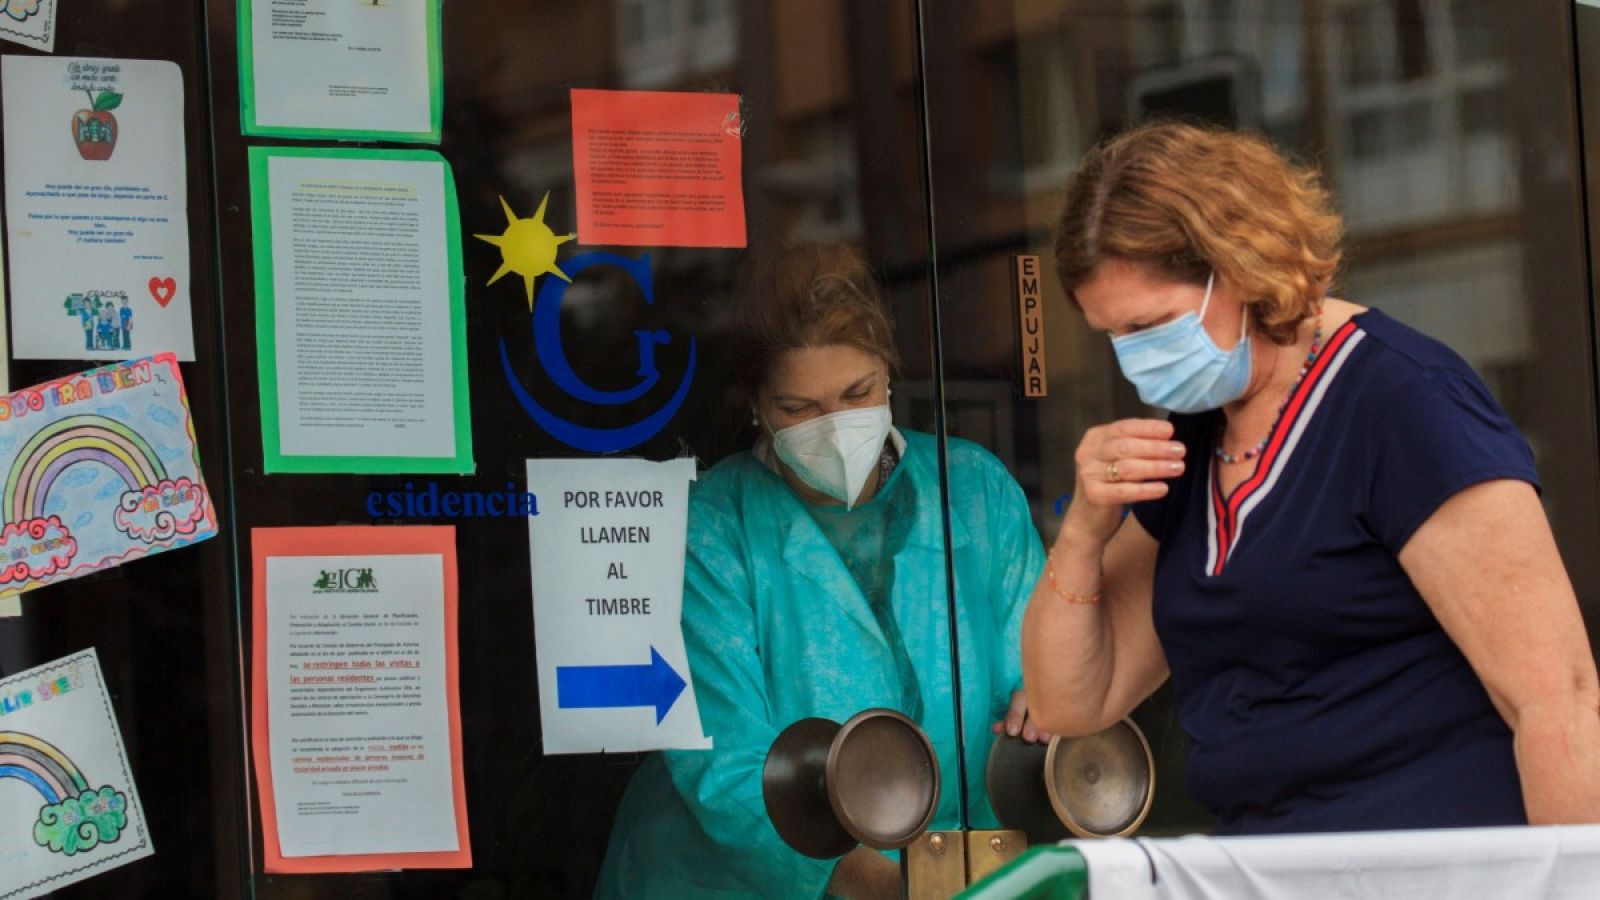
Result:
[
  {"x": 778, "y": 629},
  {"x": 867, "y": 539}
]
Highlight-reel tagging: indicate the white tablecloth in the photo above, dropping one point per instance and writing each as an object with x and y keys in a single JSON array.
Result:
[{"x": 1544, "y": 862}]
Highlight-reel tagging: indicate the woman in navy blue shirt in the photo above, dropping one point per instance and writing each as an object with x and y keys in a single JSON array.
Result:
[{"x": 1337, "y": 550}]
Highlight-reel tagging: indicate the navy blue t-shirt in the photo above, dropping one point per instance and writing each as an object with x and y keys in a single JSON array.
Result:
[{"x": 1318, "y": 691}]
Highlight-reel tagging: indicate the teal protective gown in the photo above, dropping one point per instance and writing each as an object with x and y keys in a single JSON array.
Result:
[{"x": 777, "y": 630}]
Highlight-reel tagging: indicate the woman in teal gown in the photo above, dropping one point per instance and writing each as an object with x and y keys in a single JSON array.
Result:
[{"x": 815, "y": 585}]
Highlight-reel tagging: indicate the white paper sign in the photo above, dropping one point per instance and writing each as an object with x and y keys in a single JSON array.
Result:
[
  {"x": 363, "y": 296},
  {"x": 342, "y": 65},
  {"x": 355, "y": 664},
  {"x": 68, "y": 805},
  {"x": 29, "y": 22},
  {"x": 607, "y": 553},
  {"x": 96, "y": 208}
]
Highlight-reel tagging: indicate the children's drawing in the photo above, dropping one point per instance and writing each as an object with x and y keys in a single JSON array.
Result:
[
  {"x": 69, "y": 807},
  {"x": 94, "y": 130},
  {"x": 105, "y": 317},
  {"x": 96, "y": 207},
  {"x": 100, "y": 468},
  {"x": 30, "y": 22},
  {"x": 21, "y": 10},
  {"x": 74, "y": 817}
]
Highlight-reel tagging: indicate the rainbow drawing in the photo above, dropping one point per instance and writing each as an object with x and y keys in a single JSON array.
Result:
[
  {"x": 74, "y": 817},
  {"x": 136, "y": 493},
  {"x": 67, "y": 442},
  {"x": 48, "y": 770}
]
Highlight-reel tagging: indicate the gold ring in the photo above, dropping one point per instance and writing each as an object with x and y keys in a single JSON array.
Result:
[{"x": 1111, "y": 471}]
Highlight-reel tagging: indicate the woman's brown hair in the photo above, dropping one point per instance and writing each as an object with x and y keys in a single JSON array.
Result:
[
  {"x": 808, "y": 295},
  {"x": 1185, "y": 201}
]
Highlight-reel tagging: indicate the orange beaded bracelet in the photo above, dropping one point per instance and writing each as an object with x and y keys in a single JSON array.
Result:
[{"x": 1050, "y": 572}]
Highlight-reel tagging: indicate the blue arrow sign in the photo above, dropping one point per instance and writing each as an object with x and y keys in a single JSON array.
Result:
[{"x": 610, "y": 687}]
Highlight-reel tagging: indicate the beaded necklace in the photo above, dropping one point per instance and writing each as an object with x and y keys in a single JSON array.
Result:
[
  {"x": 1316, "y": 347},
  {"x": 887, "y": 460}
]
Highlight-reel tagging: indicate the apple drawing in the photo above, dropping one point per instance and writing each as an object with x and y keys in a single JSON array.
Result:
[{"x": 94, "y": 130}]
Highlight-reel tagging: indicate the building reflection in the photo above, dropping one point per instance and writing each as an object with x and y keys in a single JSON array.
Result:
[{"x": 1444, "y": 126}]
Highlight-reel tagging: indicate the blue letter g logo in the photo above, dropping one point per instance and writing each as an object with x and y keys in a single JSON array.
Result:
[{"x": 547, "y": 347}]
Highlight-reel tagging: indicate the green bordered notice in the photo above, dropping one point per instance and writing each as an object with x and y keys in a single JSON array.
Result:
[
  {"x": 360, "y": 316},
  {"x": 363, "y": 70}
]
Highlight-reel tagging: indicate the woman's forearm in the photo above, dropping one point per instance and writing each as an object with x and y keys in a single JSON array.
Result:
[
  {"x": 1089, "y": 648},
  {"x": 1557, "y": 749},
  {"x": 1487, "y": 564},
  {"x": 1072, "y": 650},
  {"x": 1065, "y": 698}
]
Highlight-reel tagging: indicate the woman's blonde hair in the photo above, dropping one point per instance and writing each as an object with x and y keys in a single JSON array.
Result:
[
  {"x": 1184, "y": 201},
  {"x": 808, "y": 295}
]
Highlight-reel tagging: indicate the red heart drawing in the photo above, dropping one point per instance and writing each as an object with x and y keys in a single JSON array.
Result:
[{"x": 163, "y": 289}]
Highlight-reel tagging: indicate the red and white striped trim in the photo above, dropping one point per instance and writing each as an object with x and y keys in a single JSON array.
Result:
[{"x": 1225, "y": 517}]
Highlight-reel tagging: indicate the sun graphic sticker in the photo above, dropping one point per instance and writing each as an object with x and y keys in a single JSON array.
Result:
[{"x": 527, "y": 247}]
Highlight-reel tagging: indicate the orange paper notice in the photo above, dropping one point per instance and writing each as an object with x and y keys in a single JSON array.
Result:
[
  {"x": 658, "y": 168},
  {"x": 355, "y": 712}
]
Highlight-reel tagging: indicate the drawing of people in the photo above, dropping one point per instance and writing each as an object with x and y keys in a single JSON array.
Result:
[
  {"x": 86, "y": 317},
  {"x": 108, "y": 326},
  {"x": 127, "y": 325}
]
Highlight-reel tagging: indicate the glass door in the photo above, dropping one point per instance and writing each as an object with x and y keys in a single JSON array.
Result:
[
  {"x": 1440, "y": 127},
  {"x": 900, "y": 160},
  {"x": 779, "y": 625}
]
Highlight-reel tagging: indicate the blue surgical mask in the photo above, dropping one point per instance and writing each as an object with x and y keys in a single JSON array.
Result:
[{"x": 1177, "y": 366}]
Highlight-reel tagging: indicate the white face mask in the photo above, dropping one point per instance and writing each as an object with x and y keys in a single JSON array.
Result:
[{"x": 836, "y": 453}]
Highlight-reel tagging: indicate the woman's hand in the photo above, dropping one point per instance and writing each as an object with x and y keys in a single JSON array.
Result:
[
  {"x": 1018, "y": 723},
  {"x": 1125, "y": 462}
]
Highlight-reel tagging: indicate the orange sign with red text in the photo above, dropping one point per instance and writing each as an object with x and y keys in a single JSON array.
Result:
[{"x": 658, "y": 168}]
